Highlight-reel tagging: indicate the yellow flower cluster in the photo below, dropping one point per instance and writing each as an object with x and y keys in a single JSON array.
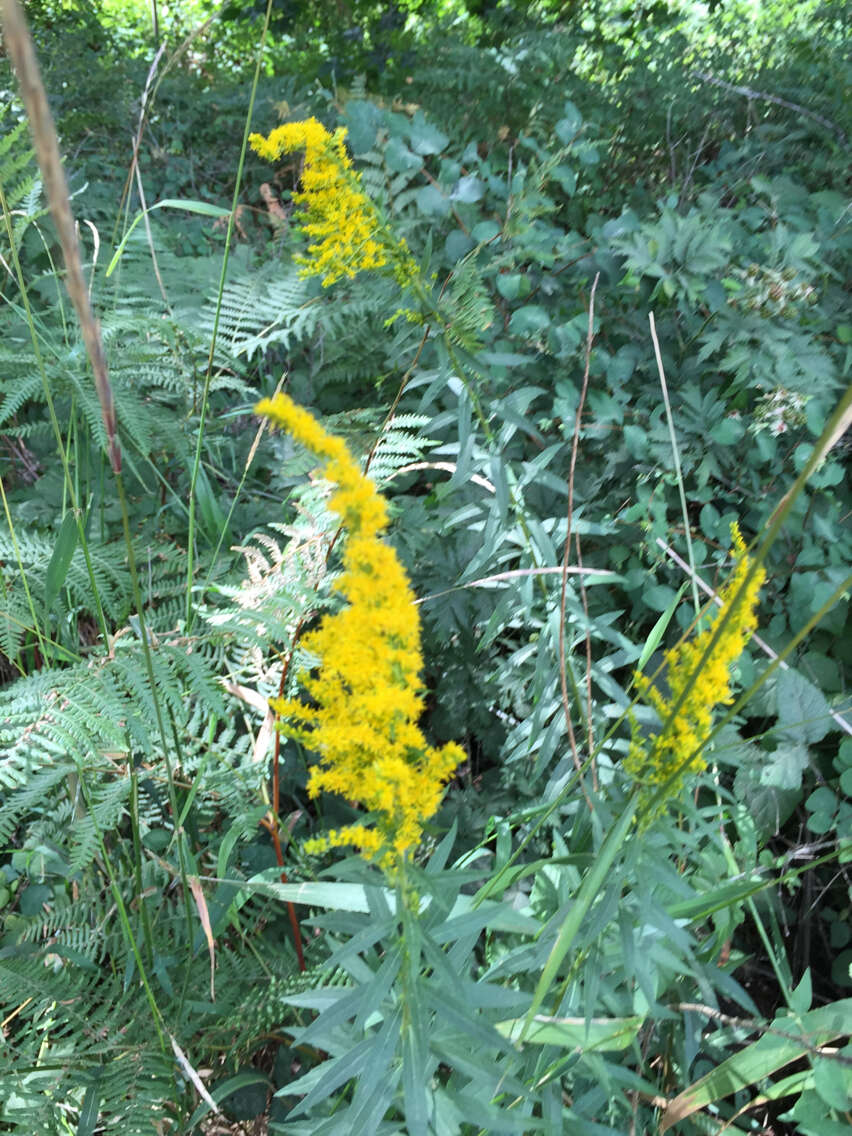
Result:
[
  {"x": 338, "y": 217},
  {"x": 365, "y": 698},
  {"x": 676, "y": 753}
]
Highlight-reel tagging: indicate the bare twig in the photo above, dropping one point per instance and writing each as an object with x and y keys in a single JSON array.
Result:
[
  {"x": 133, "y": 172},
  {"x": 447, "y": 467},
  {"x": 575, "y": 443},
  {"x": 193, "y": 1075},
  {"x": 149, "y": 235},
  {"x": 516, "y": 574},
  {"x": 671, "y": 148},
  {"x": 590, "y": 734},
  {"x": 756, "y": 1024},
  {"x": 691, "y": 172},
  {"x": 748, "y": 93}
]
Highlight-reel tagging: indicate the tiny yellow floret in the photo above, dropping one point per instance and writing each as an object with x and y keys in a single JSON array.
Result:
[
  {"x": 677, "y": 752},
  {"x": 365, "y": 691}
]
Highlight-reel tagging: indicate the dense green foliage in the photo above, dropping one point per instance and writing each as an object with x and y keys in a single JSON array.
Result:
[{"x": 539, "y": 161}]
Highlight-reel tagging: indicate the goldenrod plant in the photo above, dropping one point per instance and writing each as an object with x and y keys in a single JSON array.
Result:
[
  {"x": 697, "y": 674},
  {"x": 339, "y": 219},
  {"x": 365, "y": 696}
]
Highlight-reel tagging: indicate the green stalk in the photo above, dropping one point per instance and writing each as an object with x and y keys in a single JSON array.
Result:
[
  {"x": 137, "y": 855},
  {"x": 149, "y": 671},
  {"x": 54, "y": 421},
  {"x": 594, "y": 879},
  {"x": 423, "y": 294},
  {"x": 591, "y": 885},
  {"x": 205, "y": 396},
  {"x": 833, "y": 430},
  {"x": 548, "y": 810},
  {"x": 678, "y": 471},
  {"x": 123, "y": 916}
]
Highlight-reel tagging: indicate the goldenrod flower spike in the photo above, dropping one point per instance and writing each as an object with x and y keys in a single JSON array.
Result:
[
  {"x": 676, "y": 753},
  {"x": 365, "y": 692},
  {"x": 337, "y": 216}
]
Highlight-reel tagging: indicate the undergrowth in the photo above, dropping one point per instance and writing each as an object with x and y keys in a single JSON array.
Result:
[{"x": 628, "y": 908}]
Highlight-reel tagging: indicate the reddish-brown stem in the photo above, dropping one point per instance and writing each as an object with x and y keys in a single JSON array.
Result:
[
  {"x": 589, "y": 723},
  {"x": 274, "y": 825},
  {"x": 563, "y": 670}
]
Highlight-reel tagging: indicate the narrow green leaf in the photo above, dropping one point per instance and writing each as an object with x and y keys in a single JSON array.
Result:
[
  {"x": 659, "y": 630},
  {"x": 60, "y": 561},
  {"x": 591, "y": 885},
  {"x": 377, "y": 1084},
  {"x": 325, "y": 1078},
  {"x": 729, "y": 894},
  {"x": 377, "y": 989},
  {"x": 603, "y": 1034},
  {"x": 415, "y": 1078},
  {"x": 353, "y": 897},
  {"x": 212, "y": 514},
  {"x": 90, "y": 1110},
  {"x": 438, "y": 859},
  {"x": 761, "y": 1059},
  {"x": 189, "y": 206},
  {"x": 226, "y": 848},
  {"x": 802, "y": 996},
  {"x": 336, "y": 897}
]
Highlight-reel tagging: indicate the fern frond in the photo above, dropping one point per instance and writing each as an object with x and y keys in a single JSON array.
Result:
[
  {"x": 469, "y": 307},
  {"x": 19, "y": 177},
  {"x": 34, "y": 792},
  {"x": 401, "y": 443}
]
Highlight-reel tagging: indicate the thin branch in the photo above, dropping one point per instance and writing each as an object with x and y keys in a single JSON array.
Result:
[
  {"x": 517, "y": 573},
  {"x": 575, "y": 443},
  {"x": 134, "y": 164},
  {"x": 273, "y": 823},
  {"x": 149, "y": 235},
  {"x": 671, "y": 148},
  {"x": 681, "y": 197},
  {"x": 755, "y": 1024},
  {"x": 589, "y": 725},
  {"x": 749, "y": 93}
]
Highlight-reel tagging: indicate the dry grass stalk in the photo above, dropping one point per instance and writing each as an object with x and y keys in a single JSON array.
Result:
[{"x": 20, "y": 48}]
